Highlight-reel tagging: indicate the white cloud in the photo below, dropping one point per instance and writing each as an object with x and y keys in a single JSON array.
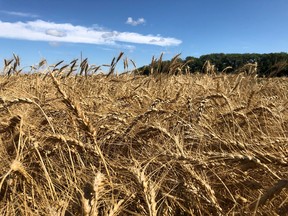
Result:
[
  {"x": 19, "y": 14},
  {"x": 40, "y": 30},
  {"x": 132, "y": 22},
  {"x": 55, "y": 32}
]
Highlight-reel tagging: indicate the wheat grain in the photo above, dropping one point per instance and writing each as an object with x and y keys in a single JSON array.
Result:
[{"x": 191, "y": 144}]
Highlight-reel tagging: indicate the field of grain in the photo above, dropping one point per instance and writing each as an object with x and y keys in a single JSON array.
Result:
[{"x": 143, "y": 145}]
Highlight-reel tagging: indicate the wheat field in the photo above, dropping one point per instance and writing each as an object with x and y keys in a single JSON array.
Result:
[{"x": 197, "y": 144}]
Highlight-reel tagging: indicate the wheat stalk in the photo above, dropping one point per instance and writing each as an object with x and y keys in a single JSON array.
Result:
[{"x": 148, "y": 190}]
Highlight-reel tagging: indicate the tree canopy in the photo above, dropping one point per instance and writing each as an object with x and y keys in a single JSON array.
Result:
[{"x": 271, "y": 64}]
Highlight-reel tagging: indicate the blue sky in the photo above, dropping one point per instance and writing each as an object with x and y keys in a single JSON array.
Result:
[{"x": 62, "y": 29}]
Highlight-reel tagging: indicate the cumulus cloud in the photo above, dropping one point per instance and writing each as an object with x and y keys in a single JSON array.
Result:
[
  {"x": 132, "y": 22},
  {"x": 19, "y": 14},
  {"x": 40, "y": 30},
  {"x": 55, "y": 32}
]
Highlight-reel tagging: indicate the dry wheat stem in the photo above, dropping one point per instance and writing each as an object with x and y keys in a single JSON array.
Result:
[{"x": 196, "y": 144}]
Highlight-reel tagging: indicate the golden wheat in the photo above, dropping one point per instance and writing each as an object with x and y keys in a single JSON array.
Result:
[{"x": 74, "y": 142}]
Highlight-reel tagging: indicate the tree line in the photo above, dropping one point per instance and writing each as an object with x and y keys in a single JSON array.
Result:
[{"x": 271, "y": 64}]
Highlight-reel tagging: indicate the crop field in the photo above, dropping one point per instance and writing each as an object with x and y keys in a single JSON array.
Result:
[{"x": 108, "y": 144}]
